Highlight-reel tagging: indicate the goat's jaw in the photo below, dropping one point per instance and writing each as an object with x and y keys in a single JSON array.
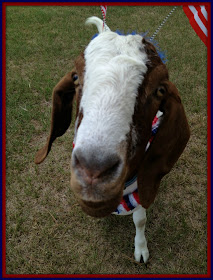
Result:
[
  {"x": 100, "y": 209},
  {"x": 98, "y": 201}
]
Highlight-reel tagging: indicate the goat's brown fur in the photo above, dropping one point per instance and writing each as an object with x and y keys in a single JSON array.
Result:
[{"x": 155, "y": 93}]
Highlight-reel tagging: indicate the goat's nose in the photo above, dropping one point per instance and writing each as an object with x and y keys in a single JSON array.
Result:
[{"x": 94, "y": 165}]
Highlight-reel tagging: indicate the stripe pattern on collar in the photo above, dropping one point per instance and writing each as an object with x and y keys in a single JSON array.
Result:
[{"x": 130, "y": 201}]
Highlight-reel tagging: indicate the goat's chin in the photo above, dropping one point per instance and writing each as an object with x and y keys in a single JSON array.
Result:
[
  {"x": 100, "y": 209},
  {"x": 94, "y": 202}
]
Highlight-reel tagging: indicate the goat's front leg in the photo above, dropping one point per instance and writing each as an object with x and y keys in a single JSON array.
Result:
[{"x": 139, "y": 218}]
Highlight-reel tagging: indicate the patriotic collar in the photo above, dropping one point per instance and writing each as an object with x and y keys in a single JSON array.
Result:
[{"x": 130, "y": 201}]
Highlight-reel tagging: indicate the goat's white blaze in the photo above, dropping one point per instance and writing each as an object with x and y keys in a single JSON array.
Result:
[{"x": 114, "y": 68}]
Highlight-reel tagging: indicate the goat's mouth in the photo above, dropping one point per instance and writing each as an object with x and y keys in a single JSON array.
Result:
[
  {"x": 102, "y": 208},
  {"x": 97, "y": 179},
  {"x": 98, "y": 198},
  {"x": 96, "y": 202}
]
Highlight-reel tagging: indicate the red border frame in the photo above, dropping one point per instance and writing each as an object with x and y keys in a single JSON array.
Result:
[
  {"x": 209, "y": 141},
  {"x": 4, "y": 274},
  {"x": 3, "y": 141},
  {"x": 106, "y": 3}
]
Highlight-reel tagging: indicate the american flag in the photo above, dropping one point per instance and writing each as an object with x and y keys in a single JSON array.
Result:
[
  {"x": 198, "y": 19},
  {"x": 103, "y": 11}
]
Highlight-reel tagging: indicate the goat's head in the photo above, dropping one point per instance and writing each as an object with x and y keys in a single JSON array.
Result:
[{"x": 120, "y": 83}]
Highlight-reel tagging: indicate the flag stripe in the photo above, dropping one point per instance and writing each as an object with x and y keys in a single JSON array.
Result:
[
  {"x": 198, "y": 17},
  {"x": 204, "y": 12},
  {"x": 103, "y": 11},
  {"x": 202, "y": 16},
  {"x": 199, "y": 32}
]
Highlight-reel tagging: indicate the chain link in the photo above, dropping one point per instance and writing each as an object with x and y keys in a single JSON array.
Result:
[{"x": 162, "y": 24}]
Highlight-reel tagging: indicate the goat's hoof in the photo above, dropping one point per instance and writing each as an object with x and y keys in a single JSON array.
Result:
[{"x": 141, "y": 255}]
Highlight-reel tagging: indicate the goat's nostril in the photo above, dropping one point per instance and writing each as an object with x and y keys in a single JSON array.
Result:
[
  {"x": 85, "y": 170},
  {"x": 96, "y": 166},
  {"x": 110, "y": 170}
]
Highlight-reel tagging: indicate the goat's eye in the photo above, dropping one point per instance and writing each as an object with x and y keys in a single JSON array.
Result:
[
  {"x": 160, "y": 91},
  {"x": 75, "y": 77}
]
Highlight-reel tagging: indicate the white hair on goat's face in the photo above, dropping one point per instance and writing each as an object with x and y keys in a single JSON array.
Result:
[{"x": 114, "y": 68}]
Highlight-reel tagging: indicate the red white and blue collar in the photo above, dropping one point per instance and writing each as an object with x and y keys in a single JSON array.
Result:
[{"x": 130, "y": 201}]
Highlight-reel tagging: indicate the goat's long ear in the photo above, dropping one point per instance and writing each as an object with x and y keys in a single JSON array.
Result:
[
  {"x": 167, "y": 146},
  {"x": 62, "y": 99}
]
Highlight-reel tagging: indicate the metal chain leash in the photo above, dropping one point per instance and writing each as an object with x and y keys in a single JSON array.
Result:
[{"x": 162, "y": 24}]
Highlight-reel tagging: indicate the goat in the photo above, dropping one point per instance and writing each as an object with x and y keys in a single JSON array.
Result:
[{"x": 120, "y": 84}]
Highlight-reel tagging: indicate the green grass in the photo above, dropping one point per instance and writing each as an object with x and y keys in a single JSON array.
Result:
[{"x": 46, "y": 230}]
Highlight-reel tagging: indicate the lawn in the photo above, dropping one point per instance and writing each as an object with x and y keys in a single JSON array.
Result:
[{"x": 46, "y": 230}]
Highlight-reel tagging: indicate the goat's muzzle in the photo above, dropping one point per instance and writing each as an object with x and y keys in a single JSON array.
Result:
[{"x": 97, "y": 180}]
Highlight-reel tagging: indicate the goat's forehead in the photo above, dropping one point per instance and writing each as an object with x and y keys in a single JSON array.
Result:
[
  {"x": 115, "y": 66},
  {"x": 110, "y": 44}
]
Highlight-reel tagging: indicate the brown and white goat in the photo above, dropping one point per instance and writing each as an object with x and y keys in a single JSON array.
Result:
[{"x": 120, "y": 83}]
